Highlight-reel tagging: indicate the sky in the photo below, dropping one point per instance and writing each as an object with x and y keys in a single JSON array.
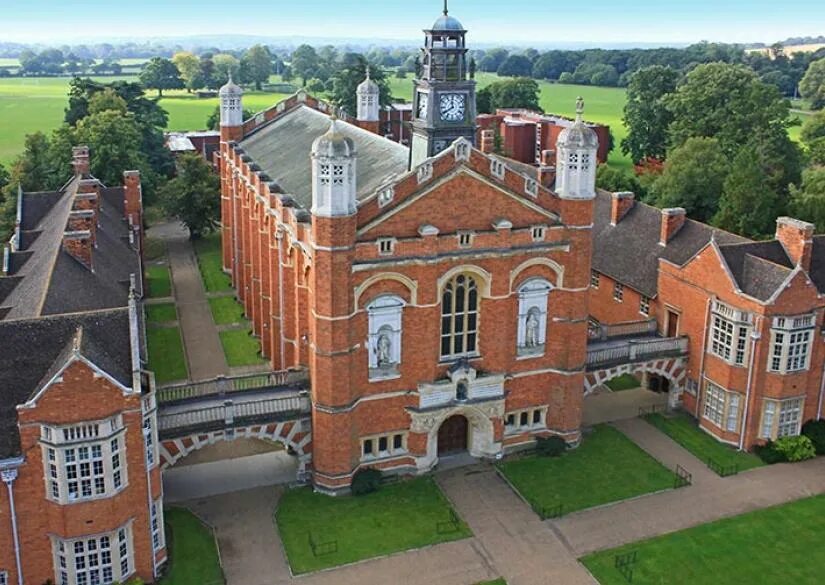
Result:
[{"x": 490, "y": 22}]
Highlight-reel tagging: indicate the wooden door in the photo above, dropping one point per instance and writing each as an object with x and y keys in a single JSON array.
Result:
[
  {"x": 452, "y": 436},
  {"x": 672, "y": 324}
]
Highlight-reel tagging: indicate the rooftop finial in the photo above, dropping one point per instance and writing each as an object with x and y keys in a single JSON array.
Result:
[
  {"x": 445, "y": 8},
  {"x": 368, "y": 71},
  {"x": 230, "y": 75},
  {"x": 579, "y": 108}
]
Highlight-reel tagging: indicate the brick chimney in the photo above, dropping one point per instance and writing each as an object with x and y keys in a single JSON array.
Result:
[
  {"x": 672, "y": 221},
  {"x": 79, "y": 244},
  {"x": 620, "y": 204},
  {"x": 133, "y": 205},
  {"x": 488, "y": 141},
  {"x": 547, "y": 175},
  {"x": 796, "y": 237},
  {"x": 80, "y": 160}
]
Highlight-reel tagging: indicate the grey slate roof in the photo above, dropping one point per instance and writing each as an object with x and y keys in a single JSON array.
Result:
[
  {"x": 104, "y": 340},
  {"x": 759, "y": 268},
  {"x": 629, "y": 252},
  {"x": 817, "y": 271},
  {"x": 282, "y": 149},
  {"x": 45, "y": 280}
]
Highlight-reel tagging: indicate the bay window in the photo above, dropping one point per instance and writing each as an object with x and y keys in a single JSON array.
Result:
[
  {"x": 781, "y": 418},
  {"x": 102, "y": 559},
  {"x": 729, "y": 334},
  {"x": 722, "y": 407},
  {"x": 791, "y": 340}
]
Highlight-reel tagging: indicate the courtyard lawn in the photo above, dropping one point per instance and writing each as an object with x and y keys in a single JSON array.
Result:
[
  {"x": 606, "y": 467},
  {"x": 623, "y": 382},
  {"x": 226, "y": 310},
  {"x": 240, "y": 348},
  {"x": 159, "y": 281},
  {"x": 683, "y": 429},
  {"x": 193, "y": 555},
  {"x": 780, "y": 546},
  {"x": 161, "y": 313},
  {"x": 166, "y": 358},
  {"x": 210, "y": 261},
  {"x": 499, "y": 581},
  {"x": 398, "y": 517}
]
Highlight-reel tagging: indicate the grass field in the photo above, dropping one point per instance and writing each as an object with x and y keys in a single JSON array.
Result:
[
  {"x": 163, "y": 313},
  {"x": 210, "y": 263},
  {"x": 193, "y": 554},
  {"x": 606, "y": 467},
  {"x": 780, "y": 546},
  {"x": 623, "y": 382},
  {"x": 683, "y": 429},
  {"x": 240, "y": 348},
  {"x": 166, "y": 357},
  {"x": 226, "y": 310},
  {"x": 395, "y": 518},
  {"x": 159, "y": 281}
]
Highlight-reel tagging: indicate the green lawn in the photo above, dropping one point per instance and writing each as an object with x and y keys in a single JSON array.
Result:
[
  {"x": 241, "y": 348},
  {"x": 683, "y": 429},
  {"x": 161, "y": 313},
  {"x": 779, "y": 546},
  {"x": 398, "y": 517},
  {"x": 210, "y": 260},
  {"x": 159, "y": 281},
  {"x": 499, "y": 581},
  {"x": 606, "y": 467},
  {"x": 226, "y": 310},
  {"x": 623, "y": 382},
  {"x": 193, "y": 554},
  {"x": 166, "y": 357}
]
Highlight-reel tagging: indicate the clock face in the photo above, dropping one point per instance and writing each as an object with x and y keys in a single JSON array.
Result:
[
  {"x": 423, "y": 103},
  {"x": 452, "y": 107}
]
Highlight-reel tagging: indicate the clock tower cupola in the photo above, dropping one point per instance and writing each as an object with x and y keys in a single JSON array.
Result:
[{"x": 444, "y": 101}]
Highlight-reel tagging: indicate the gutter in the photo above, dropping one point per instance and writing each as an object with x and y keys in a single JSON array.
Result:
[
  {"x": 8, "y": 473},
  {"x": 702, "y": 359}
]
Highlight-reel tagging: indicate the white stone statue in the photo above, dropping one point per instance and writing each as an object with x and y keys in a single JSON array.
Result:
[
  {"x": 531, "y": 334},
  {"x": 383, "y": 350}
]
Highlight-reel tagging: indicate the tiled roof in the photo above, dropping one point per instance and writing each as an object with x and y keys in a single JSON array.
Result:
[
  {"x": 817, "y": 271},
  {"x": 282, "y": 149},
  {"x": 759, "y": 268}
]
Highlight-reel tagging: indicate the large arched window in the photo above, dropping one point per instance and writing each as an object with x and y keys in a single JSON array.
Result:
[{"x": 459, "y": 317}]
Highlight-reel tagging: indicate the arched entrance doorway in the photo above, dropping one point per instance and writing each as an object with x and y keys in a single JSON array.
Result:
[{"x": 453, "y": 435}]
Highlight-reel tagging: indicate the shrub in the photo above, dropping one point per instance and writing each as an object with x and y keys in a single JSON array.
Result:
[
  {"x": 550, "y": 446},
  {"x": 366, "y": 481},
  {"x": 796, "y": 448},
  {"x": 815, "y": 431},
  {"x": 769, "y": 453}
]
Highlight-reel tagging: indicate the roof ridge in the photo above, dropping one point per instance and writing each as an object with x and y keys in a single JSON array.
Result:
[
  {"x": 767, "y": 261},
  {"x": 58, "y": 316}
]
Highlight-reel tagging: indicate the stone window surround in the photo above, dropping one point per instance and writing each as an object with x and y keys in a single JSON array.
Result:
[
  {"x": 618, "y": 292},
  {"x": 537, "y": 232},
  {"x": 390, "y": 451},
  {"x": 4, "y": 578},
  {"x": 595, "y": 279},
  {"x": 467, "y": 336},
  {"x": 386, "y": 246},
  {"x": 722, "y": 407},
  {"x": 65, "y": 562},
  {"x": 443, "y": 392},
  {"x": 385, "y": 316},
  {"x": 517, "y": 427},
  {"x": 772, "y": 425},
  {"x": 56, "y": 441},
  {"x": 791, "y": 346},
  {"x": 728, "y": 334},
  {"x": 532, "y": 294},
  {"x": 157, "y": 525},
  {"x": 644, "y": 305}
]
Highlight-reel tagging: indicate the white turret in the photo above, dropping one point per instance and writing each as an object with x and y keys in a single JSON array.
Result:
[
  {"x": 231, "y": 104},
  {"x": 576, "y": 161},
  {"x": 368, "y": 94},
  {"x": 333, "y": 173}
]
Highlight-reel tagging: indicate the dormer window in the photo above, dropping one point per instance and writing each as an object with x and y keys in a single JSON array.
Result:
[
  {"x": 386, "y": 246},
  {"x": 537, "y": 232}
]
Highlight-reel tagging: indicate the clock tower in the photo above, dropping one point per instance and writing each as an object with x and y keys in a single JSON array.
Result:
[{"x": 444, "y": 99}]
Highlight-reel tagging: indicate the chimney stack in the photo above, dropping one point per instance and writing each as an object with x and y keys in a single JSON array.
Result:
[
  {"x": 80, "y": 160},
  {"x": 133, "y": 204},
  {"x": 79, "y": 244},
  {"x": 620, "y": 204},
  {"x": 672, "y": 221},
  {"x": 488, "y": 141},
  {"x": 796, "y": 237}
]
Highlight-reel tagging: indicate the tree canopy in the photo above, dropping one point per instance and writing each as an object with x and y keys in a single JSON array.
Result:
[
  {"x": 189, "y": 66},
  {"x": 161, "y": 74},
  {"x": 256, "y": 66},
  {"x": 646, "y": 115},
  {"x": 812, "y": 86},
  {"x": 511, "y": 93},
  {"x": 351, "y": 71},
  {"x": 193, "y": 196}
]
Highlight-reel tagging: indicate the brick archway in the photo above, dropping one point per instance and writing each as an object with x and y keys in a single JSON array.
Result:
[
  {"x": 293, "y": 434},
  {"x": 672, "y": 369}
]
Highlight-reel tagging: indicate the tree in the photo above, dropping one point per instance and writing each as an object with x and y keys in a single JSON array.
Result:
[
  {"x": 492, "y": 60},
  {"x": 516, "y": 66},
  {"x": 213, "y": 122},
  {"x": 305, "y": 63},
  {"x": 813, "y": 137},
  {"x": 161, "y": 74},
  {"x": 550, "y": 65},
  {"x": 616, "y": 180},
  {"x": 749, "y": 206},
  {"x": 693, "y": 177},
  {"x": 256, "y": 66},
  {"x": 351, "y": 71},
  {"x": 193, "y": 196},
  {"x": 726, "y": 102},
  {"x": 226, "y": 65},
  {"x": 812, "y": 86},
  {"x": 808, "y": 200},
  {"x": 646, "y": 116},
  {"x": 107, "y": 100},
  {"x": 511, "y": 93},
  {"x": 190, "y": 69}
]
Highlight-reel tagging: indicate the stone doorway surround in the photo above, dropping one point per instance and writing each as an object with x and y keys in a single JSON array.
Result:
[{"x": 453, "y": 435}]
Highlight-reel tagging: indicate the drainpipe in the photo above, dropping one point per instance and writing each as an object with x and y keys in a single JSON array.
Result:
[
  {"x": 8, "y": 476},
  {"x": 281, "y": 295},
  {"x": 754, "y": 338},
  {"x": 146, "y": 433},
  {"x": 702, "y": 359}
]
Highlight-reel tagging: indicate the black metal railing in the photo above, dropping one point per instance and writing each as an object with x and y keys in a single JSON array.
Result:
[{"x": 683, "y": 478}]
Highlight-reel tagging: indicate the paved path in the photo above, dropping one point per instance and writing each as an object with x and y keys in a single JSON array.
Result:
[
  {"x": 709, "y": 498},
  {"x": 204, "y": 352},
  {"x": 610, "y": 406}
]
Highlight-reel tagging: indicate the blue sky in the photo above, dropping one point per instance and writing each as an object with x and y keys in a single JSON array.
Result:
[{"x": 500, "y": 21}]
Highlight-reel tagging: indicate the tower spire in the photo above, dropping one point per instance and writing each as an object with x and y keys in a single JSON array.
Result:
[
  {"x": 579, "y": 108},
  {"x": 445, "y": 8}
]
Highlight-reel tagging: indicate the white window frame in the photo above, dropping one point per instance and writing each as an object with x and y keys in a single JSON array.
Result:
[
  {"x": 728, "y": 334},
  {"x": 644, "y": 305},
  {"x": 156, "y": 525},
  {"x": 466, "y": 335},
  {"x": 150, "y": 440},
  {"x": 781, "y": 418},
  {"x": 76, "y": 560},
  {"x": 386, "y": 246},
  {"x": 532, "y": 300},
  {"x": 537, "y": 232},
  {"x": 465, "y": 239},
  {"x": 618, "y": 292},
  {"x": 4, "y": 578},
  {"x": 88, "y": 455},
  {"x": 595, "y": 279},
  {"x": 792, "y": 341},
  {"x": 722, "y": 408},
  {"x": 513, "y": 420},
  {"x": 390, "y": 451},
  {"x": 384, "y": 317}
]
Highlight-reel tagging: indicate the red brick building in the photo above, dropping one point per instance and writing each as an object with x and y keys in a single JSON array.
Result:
[
  {"x": 81, "y": 495},
  {"x": 438, "y": 306},
  {"x": 752, "y": 312}
]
